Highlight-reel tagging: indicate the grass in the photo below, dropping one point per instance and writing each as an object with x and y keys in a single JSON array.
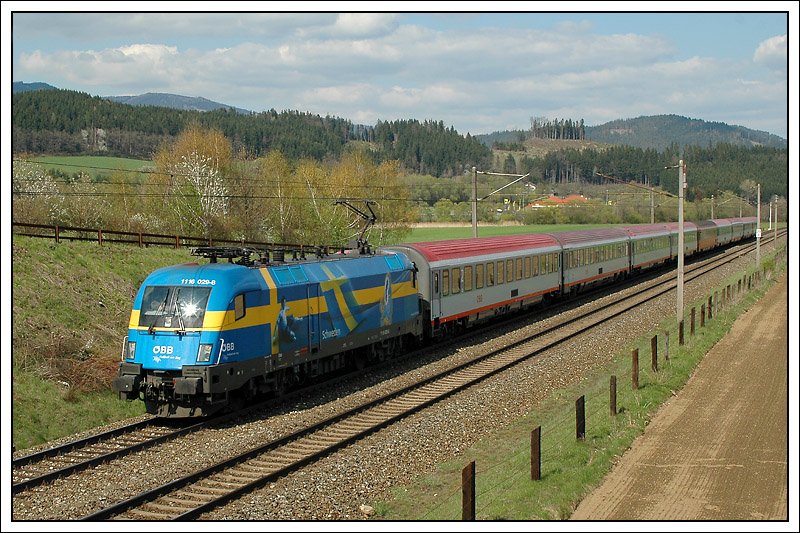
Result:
[
  {"x": 570, "y": 468},
  {"x": 42, "y": 414},
  {"x": 71, "y": 304},
  {"x": 100, "y": 168}
]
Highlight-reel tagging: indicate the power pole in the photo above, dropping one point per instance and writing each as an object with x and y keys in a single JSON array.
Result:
[
  {"x": 474, "y": 202},
  {"x": 758, "y": 228},
  {"x": 776, "y": 217},
  {"x": 770, "y": 215},
  {"x": 712, "y": 206},
  {"x": 681, "y": 187}
]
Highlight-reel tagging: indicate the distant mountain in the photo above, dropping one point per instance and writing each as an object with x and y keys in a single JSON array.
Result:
[
  {"x": 22, "y": 87},
  {"x": 660, "y": 131},
  {"x": 174, "y": 101}
]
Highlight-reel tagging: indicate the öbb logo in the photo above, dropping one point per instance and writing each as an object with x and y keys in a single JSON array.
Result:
[{"x": 162, "y": 350}]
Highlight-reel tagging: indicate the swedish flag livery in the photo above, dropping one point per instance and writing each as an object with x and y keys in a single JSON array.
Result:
[{"x": 203, "y": 336}]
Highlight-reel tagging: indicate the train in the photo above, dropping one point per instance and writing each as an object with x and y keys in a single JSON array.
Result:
[{"x": 212, "y": 336}]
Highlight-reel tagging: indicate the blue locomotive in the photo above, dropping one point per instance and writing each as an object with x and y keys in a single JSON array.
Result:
[
  {"x": 206, "y": 337},
  {"x": 202, "y": 337}
]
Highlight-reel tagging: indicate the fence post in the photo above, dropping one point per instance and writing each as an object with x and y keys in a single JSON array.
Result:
[
  {"x": 100, "y": 237},
  {"x": 710, "y": 305},
  {"x": 654, "y": 353},
  {"x": 612, "y": 390},
  {"x": 140, "y": 239},
  {"x": 635, "y": 368},
  {"x": 703, "y": 315},
  {"x": 536, "y": 454},
  {"x": 691, "y": 327},
  {"x": 468, "y": 492},
  {"x": 680, "y": 333},
  {"x": 57, "y": 235},
  {"x": 177, "y": 242},
  {"x": 580, "y": 418},
  {"x": 666, "y": 346}
]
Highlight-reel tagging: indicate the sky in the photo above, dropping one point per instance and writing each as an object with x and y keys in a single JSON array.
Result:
[{"x": 476, "y": 71}]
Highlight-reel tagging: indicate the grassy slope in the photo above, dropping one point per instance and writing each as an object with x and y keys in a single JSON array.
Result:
[{"x": 71, "y": 305}]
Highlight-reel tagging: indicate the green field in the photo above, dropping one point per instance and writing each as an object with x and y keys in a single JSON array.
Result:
[{"x": 98, "y": 167}]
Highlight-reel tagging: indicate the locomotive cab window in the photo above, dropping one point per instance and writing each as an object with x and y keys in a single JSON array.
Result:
[{"x": 174, "y": 307}]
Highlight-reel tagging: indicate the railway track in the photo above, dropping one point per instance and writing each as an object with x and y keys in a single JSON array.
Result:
[
  {"x": 38, "y": 468},
  {"x": 192, "y": 495}
]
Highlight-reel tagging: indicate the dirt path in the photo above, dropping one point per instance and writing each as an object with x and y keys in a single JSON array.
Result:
[{"x": 719, "y": 449}]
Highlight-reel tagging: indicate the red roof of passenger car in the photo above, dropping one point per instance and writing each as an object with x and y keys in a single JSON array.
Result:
[
  {"x": 569, "y": 238},
  {"x": 722, "y": 222},
  {"x": 647, "y": 229},
  {"x": 687, "y": 226},
  {"x": 459, "y": 248}
]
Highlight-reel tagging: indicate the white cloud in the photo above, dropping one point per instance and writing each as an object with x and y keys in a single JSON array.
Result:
[
  {"x": 772, "y": 53},
  {"x": 132, "y": 65},
  {"x": 364, "y": 24}
]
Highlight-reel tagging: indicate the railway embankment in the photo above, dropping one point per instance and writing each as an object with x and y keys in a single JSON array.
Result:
[{"x": 70, "y": 309}]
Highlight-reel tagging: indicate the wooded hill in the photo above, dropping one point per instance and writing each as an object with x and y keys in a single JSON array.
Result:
[
  {"x": 72, "y": 123},
  {"x": 658, "y": 132}
]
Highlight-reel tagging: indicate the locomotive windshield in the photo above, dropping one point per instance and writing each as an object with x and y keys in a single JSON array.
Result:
[{"x": 174, "y": 307}]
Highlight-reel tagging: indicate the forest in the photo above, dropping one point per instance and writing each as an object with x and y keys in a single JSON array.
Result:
[{"x": 73, "y": 123}]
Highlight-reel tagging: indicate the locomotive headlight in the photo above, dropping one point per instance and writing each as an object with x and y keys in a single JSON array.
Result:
[
  {"x": 131, "y": 353},
  {"x": 204, "y": 353}
]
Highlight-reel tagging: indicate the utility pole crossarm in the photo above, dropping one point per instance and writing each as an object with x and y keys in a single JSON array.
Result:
[{"x": 504, "y": 186}]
